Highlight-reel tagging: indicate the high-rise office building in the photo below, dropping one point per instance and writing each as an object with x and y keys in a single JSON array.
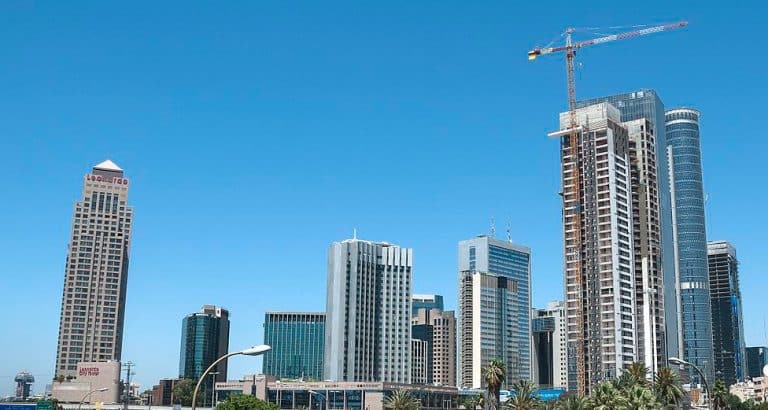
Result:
[
  {"x": 494, "y": 309},
  {"x": 658, "y": 326},
  {"x": 550, "y": 366},
  {"x": 96, "y": 272},
  {"x": 684, "y": 156},
  {"x": 438, "y": 329},
  {"x": 599, "y": 263},
  {"x": 756, "y": 359},
  {"x": 727, "y": 318},
  {"x": 420, "y": 352},
  {"x": 204, "y": 339},
  {"x": 297, "y": 340},
  {"x": 368, "y": 312},
  {"x": 426, "y": 302}
]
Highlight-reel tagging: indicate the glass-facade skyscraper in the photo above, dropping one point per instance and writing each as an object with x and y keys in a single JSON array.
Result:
[
  {"x": 426, "y": 302},
  {"x": 204, "y": 338},
  {"x": 96, "y": 272},
  {"x": 494, "y": 309},
  {"x": 727, "y": 318},
  {"x": 756, "y": 359},
  {"x": 689, "y": 230},
  {"x": 297, "y": 340}
]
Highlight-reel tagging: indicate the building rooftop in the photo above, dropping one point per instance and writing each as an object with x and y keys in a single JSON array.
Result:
[{"x": 107, "y": 165}]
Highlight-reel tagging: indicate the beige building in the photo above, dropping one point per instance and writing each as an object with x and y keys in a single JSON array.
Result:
[
  {"x": 93, "y": 299},
  {"x": 90, "y": 376},
  {"x": 438, "y": 328},
  {"x": 755, "y": 389}
]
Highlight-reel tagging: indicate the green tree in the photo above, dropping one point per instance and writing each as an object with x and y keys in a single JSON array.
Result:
[
  {"x": 494, "y": 374},
  {"x": 401, "y": 400},
  {"x": 667, "y": 387},
  {"x": 641, "y": 398},
  {"x": 523, "y": 398},
  {"x": 571, "y": 403},
  {"x": 605, "y": 396},
  {"x": 472, "y": 402},
  {"x": 245, "y": 402},
  {"x": 183, "y": 390},
  {"x": 625, "y": 382},
  {"x": 719, "y": 396},
  {"x": 639, "y": 371}
]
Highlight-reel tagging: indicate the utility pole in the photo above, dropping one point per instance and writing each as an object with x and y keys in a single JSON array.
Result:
[{"x": 127, "y": 391}]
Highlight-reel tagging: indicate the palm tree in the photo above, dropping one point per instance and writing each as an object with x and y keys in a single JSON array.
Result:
[
  {"x": 401, "y": 400},
  {"x": 523, "y": 398},
  {"x": 571, "y": 403},
  {"x": 719, "y": 395},
  {"x": 639, "y": 371},
  {"x": 494, "y": 374},
  {"x": 606, "y": 397},
  {"x": 641, "y": 398},
  {"x": 471, "y": 402},
  {"x": 666, "y": 385},
  {"x": 625, "y": 382}
]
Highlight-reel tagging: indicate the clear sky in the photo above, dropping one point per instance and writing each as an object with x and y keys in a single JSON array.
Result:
[{"x": 256, "y": 133}]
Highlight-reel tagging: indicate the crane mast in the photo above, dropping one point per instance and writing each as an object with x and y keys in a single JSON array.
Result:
[{"x": 572, "y": 190}]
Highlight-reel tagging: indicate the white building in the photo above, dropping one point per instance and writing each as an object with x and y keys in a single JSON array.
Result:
[
  {"x": 368, "y": 312},
  {"x": 598, "y": 246}
]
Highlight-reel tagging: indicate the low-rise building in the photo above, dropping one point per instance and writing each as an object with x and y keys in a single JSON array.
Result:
[
  {"x": 754, "y": 389},
  {"x": 90, "y": 376},
  {"x": 162, "y": 392}
]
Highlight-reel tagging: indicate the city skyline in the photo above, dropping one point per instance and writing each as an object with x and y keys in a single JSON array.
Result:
[{"x": 442, "y": 101}]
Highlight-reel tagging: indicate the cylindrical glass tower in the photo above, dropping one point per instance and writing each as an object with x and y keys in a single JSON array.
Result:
[{"x": 684, "y": 151}]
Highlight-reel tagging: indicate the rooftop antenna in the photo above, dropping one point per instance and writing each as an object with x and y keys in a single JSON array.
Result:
[
  {"x": 354, "y": 233},
  {"x": 493, "y": 227},
  {"x": 509, "y": 231}
]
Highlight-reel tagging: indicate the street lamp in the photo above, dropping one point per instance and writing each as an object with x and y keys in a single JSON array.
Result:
[
  {"x": 90, "y": 393},
  {"x": 251, "y": 351},
  {"x": 680, "y": 362}
]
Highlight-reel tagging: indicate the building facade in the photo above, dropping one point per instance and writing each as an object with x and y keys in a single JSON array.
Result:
[
  {"x": 204, "y": 339},
  {"x": 91, "y": 376},
  {"x": 426, "y": 302},
  {"x": 368, "y": 312},
  {"x": 601, "y": 306},
  {"x": 550, "y": 366},
  {"x": 297, "y": 340},
  {"x": 438, "y": 329},
  {"x": 727, "y": 317},
  {"x": 756, "y": 359},
  {"x": 96, "y": 272},
  {"x": 658, "y": 328},
  {"x": 494, "y": 309},
  {"x": 162, "y": 392},
  {"x": 689, "y": 231},
  {"x": 420, "y": 353}
]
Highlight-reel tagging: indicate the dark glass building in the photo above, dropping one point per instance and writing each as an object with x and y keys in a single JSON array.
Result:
[
  {"x": 755, "y": 361},
  {"x": 204, "y": 338},
  {"x": 727, "y": 318},
  {"x": 684, "y": 155},
  {"x": 426, "y": 302},
  {"x": 298, "y": 341}
]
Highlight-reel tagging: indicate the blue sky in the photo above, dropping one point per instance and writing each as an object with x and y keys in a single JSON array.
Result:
[{"x": 256, "y": 133}]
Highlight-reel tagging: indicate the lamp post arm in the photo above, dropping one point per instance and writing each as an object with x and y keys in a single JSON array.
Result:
[
  {"x": 205, "y": 373},
  {"x": 80, "y": 405}
]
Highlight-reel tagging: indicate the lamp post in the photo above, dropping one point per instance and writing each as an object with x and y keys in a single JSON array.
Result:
[
  {"x": 251, "y": 351},
  {"x": 677, "y": 361},
  {"x": 79, "y": 406},
  {"x": 213, "y": 387}
]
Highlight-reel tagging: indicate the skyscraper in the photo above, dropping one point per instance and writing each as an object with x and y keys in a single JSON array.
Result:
[
  {"x": 756, "y": 359},
  {"x": 727, "y": 318},
  {"x": 438, "y": 329},
  {"x": 204, "y": 339},
  {"x": 368, "y": 312},
  {"x": 494, "y": 309},
  {"x": 599, "y": 263},
  {"x": 96, "y": 272},
  {"x": 297, "y": 340},
  {"x": 427, "y": 302},
  {"x": 654, "y": 238},
  {"x": 549, "y": 346},
  {"x": 684, "y": 155}
]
